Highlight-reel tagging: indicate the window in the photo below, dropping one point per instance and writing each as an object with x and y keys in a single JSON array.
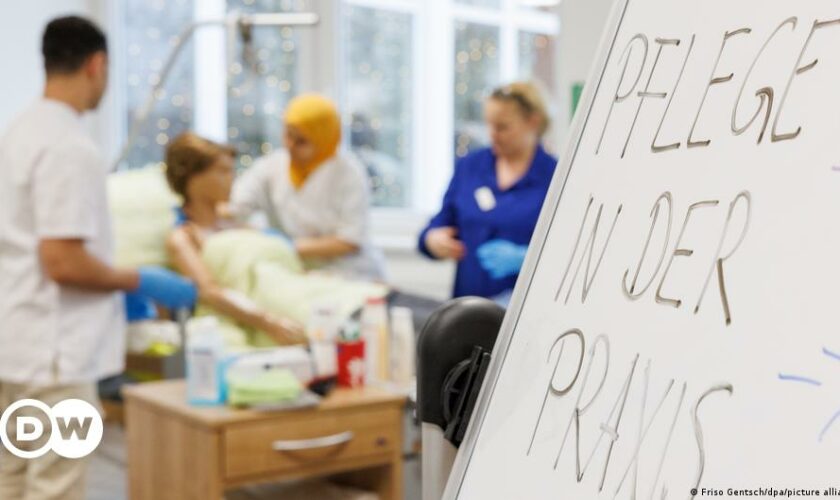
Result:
[
  {"x": 259, "y": 78},
  {"x": 378, "y": 78},
  {"x": 151, "y": 32},
  {"x": 262, "y": 79},
  {"x": 537, "y": 63},
  {"x": 396, "y": 53},
  {"x": 476, "y": 70},
  {"x": 496, "y": 42},
  {"x": 481, "y": 3},
  {"x": 410, "y": 77},
  {"x": 536, "y": 58}
]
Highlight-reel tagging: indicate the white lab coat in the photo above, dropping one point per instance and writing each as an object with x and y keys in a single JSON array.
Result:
[
  {"x": 52, "y": 185},
  {"x": 333, "y": 201}
]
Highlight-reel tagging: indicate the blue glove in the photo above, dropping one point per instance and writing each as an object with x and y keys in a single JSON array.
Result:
[
  {"x": 166, "y": 288},
  {"x": 139, "y": 308},
  {"x": 501, "y": 258}
]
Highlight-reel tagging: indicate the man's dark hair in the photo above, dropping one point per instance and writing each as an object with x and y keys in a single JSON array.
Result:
[{"x": 68, "y": 42}]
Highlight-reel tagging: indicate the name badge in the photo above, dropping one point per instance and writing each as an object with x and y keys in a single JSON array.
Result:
[{"x": 485, "y": 199}]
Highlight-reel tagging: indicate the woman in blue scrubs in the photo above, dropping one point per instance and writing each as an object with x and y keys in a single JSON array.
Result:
[{"x": 494, "y": 199}]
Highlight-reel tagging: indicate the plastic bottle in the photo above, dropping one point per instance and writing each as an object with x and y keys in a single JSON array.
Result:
[
  {"x": 323, "y": 328},
  {"x": 375, "y": 333},
  {"x": 204, "y": 353},
  {"x": 324, "y": 323},
  {"x": 403, "y": 345}
]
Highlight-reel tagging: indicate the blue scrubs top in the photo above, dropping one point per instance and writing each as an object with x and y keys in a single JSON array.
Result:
[{"x": 513, "y": 218}]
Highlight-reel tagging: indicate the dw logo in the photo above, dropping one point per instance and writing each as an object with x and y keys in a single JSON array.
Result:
[{"x": 75, "y": 428}]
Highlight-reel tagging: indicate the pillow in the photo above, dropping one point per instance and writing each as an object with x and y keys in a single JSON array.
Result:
[{"x": 142, "y": 211}]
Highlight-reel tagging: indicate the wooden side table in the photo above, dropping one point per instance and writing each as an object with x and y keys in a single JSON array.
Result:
[{"x": 180, "y": 452}]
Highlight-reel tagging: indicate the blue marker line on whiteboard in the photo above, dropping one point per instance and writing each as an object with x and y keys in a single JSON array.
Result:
[
  {"x": 836, "y": 168},
  {"x": 829, "y": 424},
  {"x": 797, "y": 378},
  {"x": 830, "y": 354},
  {"x": 805, "y": 380}
]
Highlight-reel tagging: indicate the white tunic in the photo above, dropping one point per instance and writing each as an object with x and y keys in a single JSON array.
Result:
[
  {"x": 332, "y": 202},
  {"x": 52, "y": 186}
]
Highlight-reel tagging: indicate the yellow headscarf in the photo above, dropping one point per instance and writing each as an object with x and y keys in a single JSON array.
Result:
[{"x": 317, "y": 120}]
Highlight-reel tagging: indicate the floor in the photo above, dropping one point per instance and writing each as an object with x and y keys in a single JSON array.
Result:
[{"x": 107, "y": 474}]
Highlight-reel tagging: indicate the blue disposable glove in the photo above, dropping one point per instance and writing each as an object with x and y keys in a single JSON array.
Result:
[
  {"x": 139, "y": 307},
  {"x": 501, "y": 258},
  {"x": 166, "y": 288}
]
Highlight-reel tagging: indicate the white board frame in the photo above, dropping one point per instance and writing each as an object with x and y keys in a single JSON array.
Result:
[{"x": 535, "y": 250}]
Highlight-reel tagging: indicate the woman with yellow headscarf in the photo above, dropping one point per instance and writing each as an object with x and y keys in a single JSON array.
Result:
[{"x": 312, "y": 193}]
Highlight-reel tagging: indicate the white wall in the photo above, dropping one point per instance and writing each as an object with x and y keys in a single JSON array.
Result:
[
  {"x": 583, "y": 22},
  {"x": 21, "y": 26},
  {"x": 582, "y": 25}
]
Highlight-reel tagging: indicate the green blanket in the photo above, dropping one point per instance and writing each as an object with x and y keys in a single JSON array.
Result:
[
  {"x": 264, "y": 268},
  {"x": 268, "y": 271}
]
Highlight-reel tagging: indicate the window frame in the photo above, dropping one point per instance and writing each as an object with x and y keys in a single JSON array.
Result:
[
  {"x": 433, "y": 118},
  {"x": 211, "y": 59},
  {"x": 416, "y": 138},
  {"x": 432, "y": 135}
]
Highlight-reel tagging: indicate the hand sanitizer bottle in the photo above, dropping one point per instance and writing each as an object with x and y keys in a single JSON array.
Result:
[
  {"x": 205, "y": 349},
  {"x": 375, "y": 333}
]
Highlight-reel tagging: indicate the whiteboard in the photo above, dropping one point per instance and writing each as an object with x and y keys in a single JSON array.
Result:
[{"x": 676, "y": 325}]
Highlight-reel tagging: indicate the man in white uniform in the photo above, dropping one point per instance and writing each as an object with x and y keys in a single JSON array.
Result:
[{"x": 61, "y": 314}]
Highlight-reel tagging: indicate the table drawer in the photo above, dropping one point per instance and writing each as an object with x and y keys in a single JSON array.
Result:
[{"x": 305, "y": 440}]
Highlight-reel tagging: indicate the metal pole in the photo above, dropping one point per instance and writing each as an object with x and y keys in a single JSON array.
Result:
[{"x": 232, "y": 22}]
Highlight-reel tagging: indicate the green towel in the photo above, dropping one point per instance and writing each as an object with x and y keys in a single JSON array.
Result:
[{"x": 270, "y": 386}]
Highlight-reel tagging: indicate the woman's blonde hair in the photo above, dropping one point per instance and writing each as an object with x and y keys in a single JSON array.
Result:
[
  {"x": 529, "y": 99},
  {"x": 190, "y": 154}
]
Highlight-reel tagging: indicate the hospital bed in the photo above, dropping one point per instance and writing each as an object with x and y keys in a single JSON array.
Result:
[{"x": 142, "y": 211}]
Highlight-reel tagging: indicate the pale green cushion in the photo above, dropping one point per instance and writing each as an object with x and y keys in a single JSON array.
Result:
[{"x": 142, "y": 211}]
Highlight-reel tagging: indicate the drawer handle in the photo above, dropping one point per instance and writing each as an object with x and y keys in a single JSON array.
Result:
[{"x": 315, "y": 443}]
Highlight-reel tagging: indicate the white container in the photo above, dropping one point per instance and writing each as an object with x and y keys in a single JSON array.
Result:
[
  {"x": 374, "y": 331},
  {"x": 324, "y": 322},
  {"x": 323, "y": 329},
  {"x": 403, "y": 344},
  {"x": 204, "y": 358},
  {"x": 253, "y": 363},
  {"x": 142, "y": 335},
  {"x": 324, "y": 359}
]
